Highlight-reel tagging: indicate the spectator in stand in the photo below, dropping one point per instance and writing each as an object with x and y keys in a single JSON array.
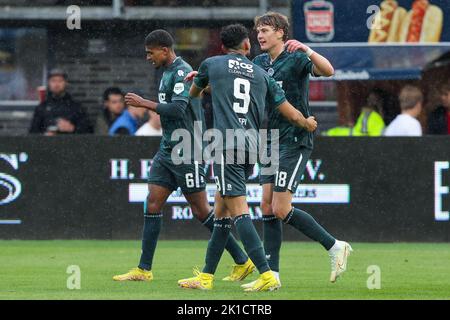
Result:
[
  {"x": 406, "y": 123},
  {"x": 127, "y": 123},
  {"x": 370, "y": 122},
  {"x": 59, "y": 113},
  {"x": 152, "y": 127},
  {"x": 439, "y": 119},
  {"x": 113, "y": 106}
]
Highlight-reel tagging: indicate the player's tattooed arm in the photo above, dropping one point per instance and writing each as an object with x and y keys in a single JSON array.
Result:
[
  {"x": 190, "y": 77},
  {"x": 200, "y": 80},
  {"x": 296, "y": 117},
  {"x": 321, "y": 65},
  {"x": 207, "y": 89},
  {"x": 195, "y": 91}
]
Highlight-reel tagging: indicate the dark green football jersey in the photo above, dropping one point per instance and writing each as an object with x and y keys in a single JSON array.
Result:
[
  {"x": 240, "y": 91},
  {"x": 291, "y": 71},
  {"x": 173, "y": 88}
]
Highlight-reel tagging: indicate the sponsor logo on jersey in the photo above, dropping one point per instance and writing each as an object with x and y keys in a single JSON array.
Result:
[
  {"x": 178, "y": 88},
  {"x": 237, "y": 65}
]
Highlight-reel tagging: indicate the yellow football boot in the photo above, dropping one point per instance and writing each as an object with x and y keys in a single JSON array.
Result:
[
  {"x": 203, "y": 281},
  {"x": 240, "y": 271},
  {"x": 266, "y": 282},
  {"x": 135, "y": 274}
]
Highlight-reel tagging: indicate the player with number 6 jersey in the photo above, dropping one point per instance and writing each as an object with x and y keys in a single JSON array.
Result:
[{"x": 177, "y": 111}]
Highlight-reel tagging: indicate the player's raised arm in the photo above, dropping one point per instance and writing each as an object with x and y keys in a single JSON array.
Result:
[{"x": 321, "y": 65}]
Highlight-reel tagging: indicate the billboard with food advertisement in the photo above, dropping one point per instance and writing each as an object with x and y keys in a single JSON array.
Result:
[{"x": 372, "y": 21}]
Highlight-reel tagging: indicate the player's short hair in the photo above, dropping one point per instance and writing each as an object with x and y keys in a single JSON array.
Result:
[
  {"x": 110, "y": 91},
  {"x": 409, "y": 97},
  {"x": 233, "y": 35},
  {"x": 159, "y": 38},
  {"x": 275, "y": 20}
]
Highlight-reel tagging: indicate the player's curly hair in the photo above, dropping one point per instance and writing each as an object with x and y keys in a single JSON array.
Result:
[
  {"x": 159, "y": 38},
  {"x": 233, "y": 35},
  {"x": 275, "y": 20}
]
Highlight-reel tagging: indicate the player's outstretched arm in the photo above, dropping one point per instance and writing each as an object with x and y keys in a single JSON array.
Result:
[
  {"x": 322, "y": 67},
  {"x": 134, "y": 100},
  {"x": 175, "y": 109},
  {"x": 296, "y": 117}
]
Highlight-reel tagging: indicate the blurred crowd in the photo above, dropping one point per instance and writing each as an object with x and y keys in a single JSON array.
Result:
[
  {"x": 59, "y": 113},
  {"x": 382, "y": 114},
  {"x": 387, "y": 115}
]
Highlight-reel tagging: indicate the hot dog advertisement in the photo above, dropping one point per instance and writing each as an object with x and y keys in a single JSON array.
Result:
[{"x": 372, "y": 21}]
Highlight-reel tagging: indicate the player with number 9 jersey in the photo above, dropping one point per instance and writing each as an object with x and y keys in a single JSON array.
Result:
[{"x": 241, "y": 91}]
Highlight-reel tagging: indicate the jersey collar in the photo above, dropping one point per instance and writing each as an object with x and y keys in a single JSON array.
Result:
[
  {"x": 238, "y": 54},
  {"x": 174, "y": 62},
  {"x": 282, "y": 54}
]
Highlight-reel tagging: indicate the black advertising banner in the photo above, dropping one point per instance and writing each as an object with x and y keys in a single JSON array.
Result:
[
  {"x": 373, "y": 21},
  {"x": 360, "y": 189}
]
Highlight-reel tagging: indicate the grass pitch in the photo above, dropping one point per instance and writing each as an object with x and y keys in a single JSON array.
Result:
[{"x": 37, "y": 270}]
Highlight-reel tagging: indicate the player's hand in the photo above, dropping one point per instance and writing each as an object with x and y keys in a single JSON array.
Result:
[
  {"x": 311, "y": 124},
  {"x": 132, "y": 99},
  {"x": 207, "y": 89},
  {"x": 191, "y": 75},
  {"x": 294, "y": 45}
]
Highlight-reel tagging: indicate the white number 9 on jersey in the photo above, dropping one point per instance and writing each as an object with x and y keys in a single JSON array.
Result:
[{"x": 240, "y": 83}]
